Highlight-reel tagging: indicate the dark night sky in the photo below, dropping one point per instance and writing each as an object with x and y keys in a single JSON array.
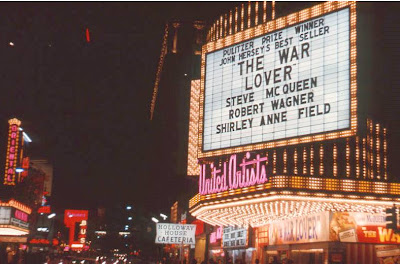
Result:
[{"x": 86, "y": 105}]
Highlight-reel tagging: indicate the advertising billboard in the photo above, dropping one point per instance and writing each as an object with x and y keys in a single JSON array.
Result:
[
  {"x": 356, "y": 227},
  {"x": 289, "y": 81},
  {"x": 361, "y": 227}
]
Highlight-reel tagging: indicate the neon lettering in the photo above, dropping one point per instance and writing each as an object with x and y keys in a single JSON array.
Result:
[
  {"x": 21, "y": 215},
  {"x": 231, "y": 176}
]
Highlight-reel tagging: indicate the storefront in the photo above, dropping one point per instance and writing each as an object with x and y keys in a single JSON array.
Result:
[
  {"x": 200, "y": 248},
  {"x": 388, "y": 254},
  {"x": 215, "y": 250},
  {"x": 314, "y": 237}
]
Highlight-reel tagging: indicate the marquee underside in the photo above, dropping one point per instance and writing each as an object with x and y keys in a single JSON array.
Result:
[
  {"x": 265, "y": 210},
  {"x": 7, "y": 230}
]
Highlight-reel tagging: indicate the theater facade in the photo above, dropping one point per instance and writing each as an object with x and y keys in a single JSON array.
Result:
[{"x": 290, "y": 159}]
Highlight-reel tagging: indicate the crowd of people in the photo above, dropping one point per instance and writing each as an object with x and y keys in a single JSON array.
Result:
[{"x": 272, "y": 260}]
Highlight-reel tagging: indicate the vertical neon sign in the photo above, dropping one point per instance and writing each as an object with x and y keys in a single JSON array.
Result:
[{"x": 12, "y": 151}]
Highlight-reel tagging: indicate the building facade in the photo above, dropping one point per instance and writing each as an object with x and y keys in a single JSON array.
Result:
[{"x": 289, "y": 135}]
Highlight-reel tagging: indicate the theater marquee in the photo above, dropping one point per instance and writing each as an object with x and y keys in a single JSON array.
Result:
[{"x": 288, "y": 79}]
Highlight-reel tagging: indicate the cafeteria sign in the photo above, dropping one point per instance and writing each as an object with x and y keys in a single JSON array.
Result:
[{"x": 175, "y": 234}]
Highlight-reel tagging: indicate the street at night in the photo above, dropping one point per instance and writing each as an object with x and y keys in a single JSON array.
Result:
[{"x": 200, "y": 132}]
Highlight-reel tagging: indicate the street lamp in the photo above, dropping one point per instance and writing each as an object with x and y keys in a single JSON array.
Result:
[
  {"x": 51, "y": 215},
  {"x": 163, "y": 216},
  {"x": 26, "y": 137},
  {"x": 155, "y": 220}
]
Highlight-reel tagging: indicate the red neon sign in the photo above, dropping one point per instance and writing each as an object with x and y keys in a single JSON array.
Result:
[
  {"x": 39, "y": 241},
  {"x": 87, "y": 35},
  {"x": 71, "y": 217},
  {"x": 199, "y": 226},
  {"x": 44, "y": 209},
  {"x": 25, "y": 166},
  {"x": 21, "y": 215},
  {"x": 55, "y": 241}
]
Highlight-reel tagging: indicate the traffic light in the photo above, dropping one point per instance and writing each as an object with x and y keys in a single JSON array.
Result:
[{"x": 391, "y": 218}]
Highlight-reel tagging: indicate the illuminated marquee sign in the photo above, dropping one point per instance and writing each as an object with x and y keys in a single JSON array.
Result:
[
  {"x": 347, "y": 227},
  {"x": 285, "y": 83},
  {"x": 19, "y": 219},
  {"x": 12, "y": 151},
  {"x": 288, "y": 83},
  {"x": 310, "y": 228},
  {"x": 231, "y": 176},
  {"x": 13, "y": 217}
]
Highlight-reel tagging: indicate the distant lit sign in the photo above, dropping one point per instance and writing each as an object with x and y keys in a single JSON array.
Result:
[
  {"x": 288, "y": 83},
  {"x": 199, "y": 226},
  {"x": 13, "y": 217},
  {"x": 71, "y": 219},
  {"x": 21, "y": 215},
  {"x": 217, "y": 235},
  {"x": 234, "y": 237},
  {"x": 82, "y": 232},
  {"x": 19, "y": 219},
  {"x": 12, "y": 151},
  {"x": 175, "y": 234},
  {"x": 231, "y": 175},
  {"x": 44, "y": 209},
  {"x": 39, "y": 241},
  {"x": 25, "y": 166}
]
